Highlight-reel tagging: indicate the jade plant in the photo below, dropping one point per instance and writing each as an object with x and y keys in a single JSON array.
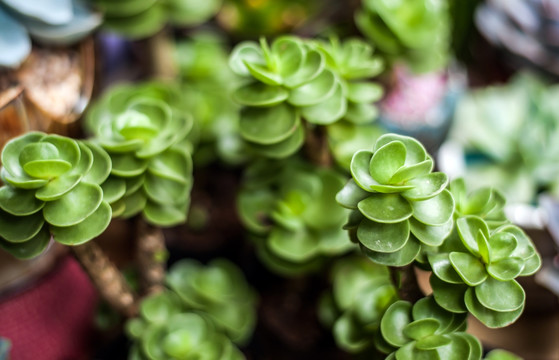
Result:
[
  {"x": 398, "y": 205},
  {"x": 52, "y": 188},
  {"x": 165, "y": 330},
  {"x": 416, "y": 32},
  {"x": 142, "y": 18},
  {"x": 361, "y": 293},
  {"x": 205, "y": 310},
  {"x": 290, "y": 208},
  {"x": 49, "y": 22},
  {"x": 145, "y": 131},
  {"x": 295, "y": 85}
]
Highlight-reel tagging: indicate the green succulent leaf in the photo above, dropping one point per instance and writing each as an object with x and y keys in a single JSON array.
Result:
[
  {"x": 329, "y": 110},
  {"x": 402, "y": 257},
  {"x": 315, "y": 91},
  {"x": 19, "y": 202},
  {"x": 74, "y": 206},
  {"x": 394, "y": 321},
  {"x": 290, "y": 55},
  {"x": 283, "y": 148},
  {"x": 247, "y": 51},
  {"x": 449, "y": 296},
  {"x": 269, "y": 125},
  {"x": 435, "y": 211},
  {"x": 408, "y": 172},
  {"x": 431, "y": 235},
  {"x": 18, "y": 229},
  {"x": 258, "y": 94},
  {"x": 415, "y": 152},
  {"x": 58, "y": 187},
  {"x": 312, "y": 65},
  {"x": 363, "y": 92},
  {"x": 113, "y": 189},
  {"x": 386, "y": 238},
  {"x": 468, "y": 228},
  {"x": 426, "y": 186},
  {"x": 12, "y": 149},
  {"x": 443, "y": 269},
  {"x": 490, "y": 318},
  {"x": 386, "y": 161},
  {"x": 262, "y": 73},
  {"x": 91, "y": 227},
  {"x": 350, "y": 195},
  {"x": 101, "y": 167},
  {"x": 385, "y": 208},
  {"x": 501, "y": 355},
  {"x": 499, "y": 295},
  {"x": 30, "y": 248},
  {"x": 163, "y": 215},
  {"x": 502, "y": 245},
  {"x": 470, "y": 269},
  {"x": 421, "y": 328},
  {"x": 294, "y": 246},
  {"x": 128, "y": 165},
  {"x": 432, "y": 342},
  {"x": 506, "y": 269}
]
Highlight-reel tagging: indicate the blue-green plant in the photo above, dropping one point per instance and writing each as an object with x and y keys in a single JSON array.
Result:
[
  {"x": 297, "y": 84},
  {"x": 361, "y": 293},
  {"x": 416, "y": 31},
  {"x": 291, "y": 210},
  {"x": 5, "y": 345},
  {"x": 52, "y": 188},
  {"x": 397, "y": 203},
  {"x": 46, "y": 21},
  {"x": 144, "y": 130}
]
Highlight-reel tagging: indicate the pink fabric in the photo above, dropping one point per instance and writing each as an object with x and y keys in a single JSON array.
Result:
[{"x": 52, "y": 320}]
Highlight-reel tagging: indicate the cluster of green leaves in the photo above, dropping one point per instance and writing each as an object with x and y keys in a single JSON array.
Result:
[
  {"x": 414, "y": 31},
  {"x": 361, "y": 293},
  {"x": 424, "y": 330},
  {"x": 205, "y": 311},
  {"x": 290, "y": 208},
  {"x": 206, "y": 82},
  {"x": 165, "y": 330},
  {"x": 144, "y": 130},
  {"x": 46, "y": 21},
  {"x": 52, "y": 188},
  {"x": 297, "y": 83},
  {"x": 143, "y": 18},
  {"x": 398, "y": 205},
  {"x": 220, "y": 291},
  {"x": 514, "y": 128}
]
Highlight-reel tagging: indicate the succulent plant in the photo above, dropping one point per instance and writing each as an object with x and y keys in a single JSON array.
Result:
[
  {"x": 398, "y": 204},
  {"x": 417, "y": 31},
  {"x": 49, "y": 22},
  {"x": 145, "y": 133},
  {"x": 220, "y": 291},
  {"x": 424, "y": 330},
  {"x": 142, "y": 18},
  {"x": 166, "y": 330},
  {"x": 290, "y": 208},
  {"x": 499, "y": 354},
  {"x": 5, "y": 345},
  {"x": 295, "y": 82},
  {"x": 51, "y": 189},
  {"x": 361, "y": 293},
  {"x": 475, "y": 271}
]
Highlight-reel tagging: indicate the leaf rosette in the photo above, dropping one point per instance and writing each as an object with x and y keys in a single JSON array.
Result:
[
  {"x": 426, "y": 331},
  {"x": 398, "y": 204},
  {"x": 166, "y": 330},
  {"x": 291, "y": 82},
  {"x": 361, "y": 293},
  {"x": 476, "y": 269},
  {"x": 145, "y": 133},
  {"x": 220, "y": 291},
  {"x": 52, "y": 188},
  {"x": 291, "y": 210},
  {"x": 417, "y": 31}
]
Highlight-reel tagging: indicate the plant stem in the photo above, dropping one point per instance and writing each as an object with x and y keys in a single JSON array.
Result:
[
  {"x": 151, "y": 254},
  {"x": 106, "y": 277},
  {"x": 316, "y": 146},
  {"x": 406, "y": 282}
]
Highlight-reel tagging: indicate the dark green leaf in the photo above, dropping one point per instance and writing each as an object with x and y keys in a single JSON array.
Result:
[
  {"x": 385, "y": 208},
  {"x": 386, "y": 238}
]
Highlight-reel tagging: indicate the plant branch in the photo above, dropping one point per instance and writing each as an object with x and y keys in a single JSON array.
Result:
[
  {"x": 405, "y": 280},
  {"x": 151, "y": 254},
  {"x": 106, "y": 277},
  {"x": 316, "y": 146}
]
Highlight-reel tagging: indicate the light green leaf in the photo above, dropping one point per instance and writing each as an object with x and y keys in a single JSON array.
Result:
[
  {"x": 386, "y": 161},
  {"x": 290, "y": 54},
  {"x": 19, "y": 202},
  {"x": 329, "y": 110},
  {"x": 259, "y": 94},
  {"x": 364, "y": 92},
  {"x": 91, "y": 227},
  {"x": 350, "y": 195},
  {"x": 29, "y": 248},
  {"x": 56, "y": 188},
  {"x": 263, "y": 74},
  {"x": 490, "y": 318},
  {"x": 74, "y": 206},
  {"x": 385, "y": 208},
  {"x": 426, "y": 186},
  {"x": 127, "y": 165},
  {"x": 421, "y": 328},
  {"x": 435, "y": 211},
  {"x": 164, "y": 215},
  {"x": 402, "y": 257},
  {"x": 165, "y": 191},
  {"x": 500, "y": 295},
  {"x": 429, "y": 234},
  {"x": 415, "y": 152},
  {"x": 433, "y": 342},
  {"x": 248, "y": 51},
  {"x": 502, "y": 245},
  {"x": 449, "y": 296},
  {"x": 101, "y": 167},
  {"x": 483, "y": 247},
  {"x": 18, "y": 229},
  {"x": 293, "y": 246},
  {"x": 386, "y": 238},
  {"x": 395, "y": 319},
  {"x": 313, "y": 65},
  {"x": 468, "y": 228},
  {"x": 412, "y": 171},
  {"x": 315, "y": 91},
  {"x": 470, "y": 269},
  {"x": 283, "y": 148},
  {"x": 12, "y": 150},
  {"x": 268, "y": 125},
  {"x": 442, "y": 267}
]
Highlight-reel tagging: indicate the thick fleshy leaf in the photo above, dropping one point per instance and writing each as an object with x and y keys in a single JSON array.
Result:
[
  {"x": 101, "y": 167},
  {"x": 160, "y": 308},
  {"x": 23, "y": 181},
  {"x": 410, "y": 352},
  {"x": 91, "y": 227},
  {"x": 46, "y": 169},
  {"x": 435, "y": 211},
  {"x": 360, "y": 114},
  {"x": 315, "y": 91},
  {"x": 394, "y": 321},
  {"x": 248, "y": 51},
  {"x": 427, "y": 308},
  {"x": 283, "y": 148},
  {"x": 259, "y": 94},
  {"x": 402, "y": 257},
  {"x": 268, "y": 125},
  {"x": 350, "y": 195},
  {"x": 381, "y": 237},
  {"x": 172, "y": 164},
  {"x": 290, "y": 54},
  {"x": 85, "y": 162},
  {"x": 329, "y": 110},
  {"x": 42, "y": 10},
  {"x": 13, "y": 36},
  {"x": 462, "y": 346},
  {"x": 386, "y": 161},
  {"x": 506, "y": 269},
  {"x": 263, "y": 74},
  {"x": 490, "y": 318},
  {"x": 531, "y": 265},
  {"x": 18, "y": 229},
  {"x": 293, "y": 246},
  {"x": 409, "y": 172},
  {"x": 499, "y": 354},
  {"x": 12, "y": 150},
  {"x": 313, "y": 65},
  {"x": 385, "y": 208},
  {"x": 18, "y": 201},
  {"x": 68, "y": 149},
  {"x": 432, "y": 342},
  {"x": 39, "y": 151},
  {"x": 360, "y": 169},
  {"x": 502, "y": 245},
  {"x": 421, "y": 328},
  {"x": 113, "y": 189},
  {"x": 127, "y": 165},
  {"x": 442, "y": 267},
  {"x": 468, "y": 228},
  {"x": 426, "y": 186},
  {"x": 415, "y": 152},
  {"x": 500, "y": 295},
  {"x": 470, "y": 269},
  {"x": 364, "y": 92},
  {"x": 164, "y": 215},
  {"x": 483, "y": 247},
  {"x": 449, "y": 296},
  {"x": 431, "y": 235},
  {"x": 29, "y": 248},
  {"x": 74, "y": 206},
  {"x": 56, "y": 188}
]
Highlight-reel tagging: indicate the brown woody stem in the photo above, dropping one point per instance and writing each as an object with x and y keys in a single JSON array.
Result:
[
  {"x": 107, "y": 278},
  {"x": 316, "y": 146},
  {"x": 151, "y": 254},
  {"x": 406, "y": 282}
]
